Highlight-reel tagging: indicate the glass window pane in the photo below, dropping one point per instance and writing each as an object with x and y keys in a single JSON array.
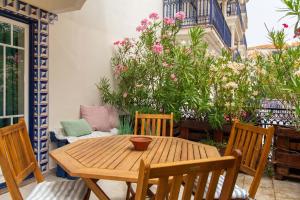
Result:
[
  {"x": 14, "y": 81},
  {"x": 5, "y": 122},
  {"x": 16, "y": 120},
  {"x": 18, "y": 36},
  {"x": 5, "y": 33},
  {"x": 1, "y": 79}
]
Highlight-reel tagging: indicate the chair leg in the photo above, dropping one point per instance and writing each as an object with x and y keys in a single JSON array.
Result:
[
  {"x": 129, "y": 191},
  {"x": 87, "y": 195}
]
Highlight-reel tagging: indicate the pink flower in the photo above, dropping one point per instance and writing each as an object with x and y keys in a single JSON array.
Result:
[
  {"x": 169, "y": 21},
  {"x": 125, "y": 94},
  {"x": 124, "y": 42},
  {"x": 285, "y": 25},
  {"x": 297, "y": 34},
  {"x": 141, "y": 28},
  {"x": 154, "y": 16},
  {"x": 173, "y": 77},
  {"x": 145, "y": 22},
  {"x": 166, "y": 65},
  {"x": 119, "y": 69},
  {"x": 157, "y": 48},
  {"x": 117, "y": 42},
  {"x": 180, "y": 15}
]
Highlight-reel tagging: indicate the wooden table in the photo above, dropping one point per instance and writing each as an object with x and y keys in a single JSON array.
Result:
[{"x": 113, "y": 158}]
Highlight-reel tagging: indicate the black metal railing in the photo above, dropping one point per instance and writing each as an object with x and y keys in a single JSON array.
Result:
[
  {"x": 234, "y": 9},
  {"x": 244, "y": 41},
  {"x": 274, "y": 112},
  {"x": 200, "y": 12},
  {"x": 243, "y": 8}
]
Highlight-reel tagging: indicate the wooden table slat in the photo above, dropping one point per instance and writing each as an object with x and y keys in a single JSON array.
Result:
[
  {"x": 165, "y": 152},
  {"x": 159, "y": 152},
  {"x": 171, "y": 154},
  {"x": 108, "y": 152},
  {"x": 95, "y": 147}
]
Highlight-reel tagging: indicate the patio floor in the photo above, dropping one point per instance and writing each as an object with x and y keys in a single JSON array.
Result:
[{"x": 269, "y": 189}]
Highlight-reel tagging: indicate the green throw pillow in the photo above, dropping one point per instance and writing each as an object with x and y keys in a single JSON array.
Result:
[{"x": 76, "y": 127}]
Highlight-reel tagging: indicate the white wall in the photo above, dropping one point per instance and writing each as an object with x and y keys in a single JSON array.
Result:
[{"x": 80, "y": 49}]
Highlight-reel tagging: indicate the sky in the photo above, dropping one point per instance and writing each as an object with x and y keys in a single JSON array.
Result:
[{"x": 261, "y": 12}]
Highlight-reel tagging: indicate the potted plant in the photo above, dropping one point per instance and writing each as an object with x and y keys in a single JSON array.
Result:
[
  {"x": 283, "y": 84},
  {"x": 155, "y": 73}
]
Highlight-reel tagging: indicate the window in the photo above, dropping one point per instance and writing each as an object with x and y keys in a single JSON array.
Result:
[{"x": 13, "y": 72}]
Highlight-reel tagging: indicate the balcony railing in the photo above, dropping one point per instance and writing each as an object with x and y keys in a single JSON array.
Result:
[
  {"x": 200, "y": 12},
  {"x": 244, "y": 41},
  {"x": 243, "y": 8},
  {"x": 234, "y": 9},
  {"x": 236, "y": 54}
]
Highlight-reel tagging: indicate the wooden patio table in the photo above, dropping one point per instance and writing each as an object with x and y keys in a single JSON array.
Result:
[{"x": 113, "y": 157}]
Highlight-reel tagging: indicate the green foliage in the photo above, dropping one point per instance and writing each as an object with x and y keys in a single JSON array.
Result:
[
  {"x": 292, "y": 9},
  {"x": 173, "y": 80},
  {"x": 125, "y": 126},
  {"x": 156, "y": 73}
]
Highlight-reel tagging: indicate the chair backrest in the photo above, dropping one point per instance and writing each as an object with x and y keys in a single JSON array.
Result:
[
  {"x": 17, "y": 159},
  {"x": 171, "y": 175},
  {"x": 153, "y": 124},
  {"x": 254, "y": 142}
]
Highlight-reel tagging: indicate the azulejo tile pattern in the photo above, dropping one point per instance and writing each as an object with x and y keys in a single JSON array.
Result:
[{"x": 41, "y": 19}]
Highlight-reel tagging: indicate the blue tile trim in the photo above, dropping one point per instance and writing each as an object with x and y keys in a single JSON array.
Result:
[{"x": 38, "y": 83}]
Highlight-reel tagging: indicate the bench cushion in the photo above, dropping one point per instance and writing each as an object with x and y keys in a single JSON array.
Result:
[
  {"x": 61, "y": 190},
  {"x": 238, "y": 192},
  {"x": 60, "y": 135}
]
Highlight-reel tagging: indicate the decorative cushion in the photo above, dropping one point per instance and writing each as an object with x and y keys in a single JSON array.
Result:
[
  {"x": 63, "y": 190},
  {"x": 76, "y": 127},
  {"x": 238, "y": 193},
  {"x": 97, "y": 117},
  {"x": 113, "y": 117}
]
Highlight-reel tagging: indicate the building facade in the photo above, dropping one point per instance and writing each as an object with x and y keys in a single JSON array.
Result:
[{"x": 225, "y": 22}]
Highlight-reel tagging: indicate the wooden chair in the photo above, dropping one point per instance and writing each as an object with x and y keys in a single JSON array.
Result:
[
  {"x": 153, "y": 124},
  {"x": 171, "y": 175},
  {"x": 17, "y": 162},
  {"x": 254, "y": 143}
]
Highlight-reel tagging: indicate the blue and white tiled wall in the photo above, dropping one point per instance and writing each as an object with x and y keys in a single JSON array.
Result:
[{"x": 41, "y": 20}]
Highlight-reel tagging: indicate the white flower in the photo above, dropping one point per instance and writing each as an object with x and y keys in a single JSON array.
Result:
[
  {"x": 236, "y": 67},
  {"x": 297, "y": 73},
  {"x": 227, "y": 104},
  {"x": 139, "y": 85},
  {"x": 255, "y": 93},
  {"x": 231, "y": 85},
  {"x": 261, "y": 71},
  {"x": 183, "y": 42}
]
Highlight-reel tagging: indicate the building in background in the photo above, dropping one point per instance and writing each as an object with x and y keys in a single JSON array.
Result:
[
  {"x": 225, "y": 22},
  {"x": 266, "y": 49}
]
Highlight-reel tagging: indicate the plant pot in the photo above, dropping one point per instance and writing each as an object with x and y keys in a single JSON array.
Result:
[
  {"x": 222, "y": 151},
  {"x": 188, "y": 126},
  {"x": 286, "y": 153},
  {"x": 140, "y": 143},
  {"x": 218, "y": 135}
]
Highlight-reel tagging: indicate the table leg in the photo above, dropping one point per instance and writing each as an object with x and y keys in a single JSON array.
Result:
[{"x": 92, "y": 184}]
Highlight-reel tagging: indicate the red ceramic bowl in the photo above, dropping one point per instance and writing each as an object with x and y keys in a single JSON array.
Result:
[{"x": 140, "y": 143}]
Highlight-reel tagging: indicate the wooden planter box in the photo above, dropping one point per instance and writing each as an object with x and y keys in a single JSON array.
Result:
[
  {"x": 286, "y": 153},
  {"x": 189, "y": 125}
]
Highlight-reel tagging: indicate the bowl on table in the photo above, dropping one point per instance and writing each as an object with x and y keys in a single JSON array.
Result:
[{"x": 140, "y": 143}]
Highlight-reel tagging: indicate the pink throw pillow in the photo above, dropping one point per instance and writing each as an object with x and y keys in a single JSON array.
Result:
[
  {"x": 113, "y": 116},
  {"x": 97, "y": 117}
]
